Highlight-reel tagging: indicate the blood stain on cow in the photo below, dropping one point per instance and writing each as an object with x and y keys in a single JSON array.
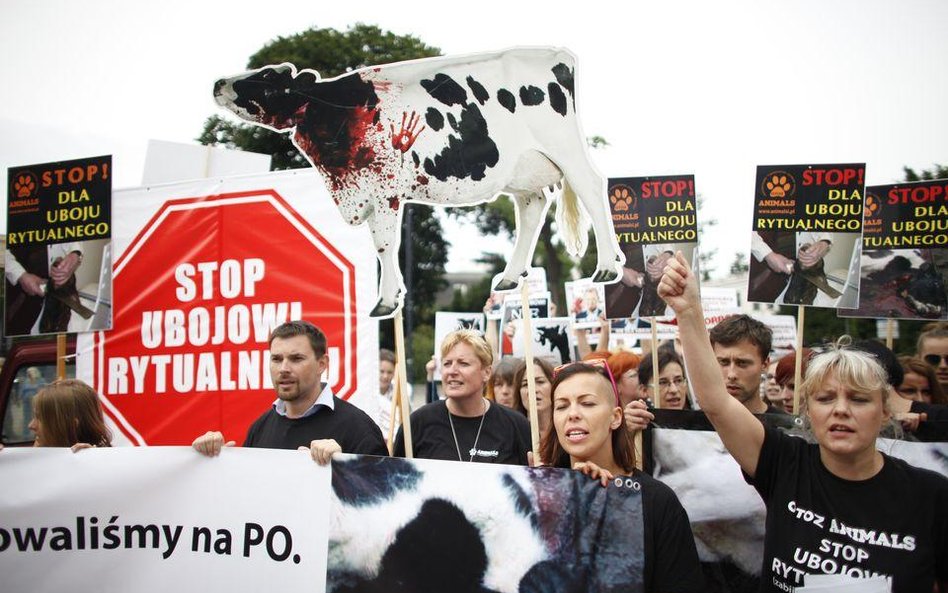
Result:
[
  {"x": 480, "y": 93},
  {"x": 434, "y": 119},
  {"x": 333, "y": 129},
  {"x": 557, "y": 98},
  {"x": 531, "y": 95},
  {"x": 393, "y": 203},
  {"x": 506, "y": 98},
  {"x": 422, "y": 180},
  {"x": 468, "y": 154},
  {"x": 445, "y": 89}
]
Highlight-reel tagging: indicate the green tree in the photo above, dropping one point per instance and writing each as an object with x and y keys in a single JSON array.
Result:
[
  {"x": 739, "y": 265},
  {"x": 331, "y": 52},
  {"x": 936, "y": 172}
]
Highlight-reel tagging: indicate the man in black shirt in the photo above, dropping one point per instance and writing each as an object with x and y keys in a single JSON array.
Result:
[
  {"x": 305, "y": 413},
  {"x": 742, "y": 346}
]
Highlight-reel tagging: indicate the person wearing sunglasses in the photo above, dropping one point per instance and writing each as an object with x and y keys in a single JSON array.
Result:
[
  {"x": 933, "y": 349},
  {"x": 836, "y": 506},
  {"x": 589, "y": 434}
]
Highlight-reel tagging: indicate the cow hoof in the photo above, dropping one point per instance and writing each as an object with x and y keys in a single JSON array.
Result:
[
  {"x": 505, "y": 284},
  {"x": 382, "y": 310},
  {"x": 604, "y": 276}
]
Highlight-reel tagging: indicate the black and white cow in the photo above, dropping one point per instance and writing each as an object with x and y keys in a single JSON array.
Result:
[
  {"x": 450, "y": 131},
  {"x": 403, "y": 526}
]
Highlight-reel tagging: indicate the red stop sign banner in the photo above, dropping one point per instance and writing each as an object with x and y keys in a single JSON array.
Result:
[{"x": 196, "y": 293}]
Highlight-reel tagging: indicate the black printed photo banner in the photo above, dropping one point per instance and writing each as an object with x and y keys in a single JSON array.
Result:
[
  {"x": 58, "y": 264},
  {"x": 654, "y": 217},
  {"x": 425, "y": 525},
  {"x": 805, "y": 236},
  {"x": 904, "y": 269}
]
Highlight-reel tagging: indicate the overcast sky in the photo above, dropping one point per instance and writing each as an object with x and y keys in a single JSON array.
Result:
[{"x": 710, "y": 88}]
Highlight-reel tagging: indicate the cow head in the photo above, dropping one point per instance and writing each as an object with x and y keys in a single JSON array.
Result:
[{"x": 271, "y": 96}]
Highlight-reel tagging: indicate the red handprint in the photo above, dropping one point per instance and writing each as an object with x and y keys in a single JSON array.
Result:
[{"x": 405, "y": 137}]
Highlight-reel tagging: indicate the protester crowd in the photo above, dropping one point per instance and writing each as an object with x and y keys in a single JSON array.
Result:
[{"x": 589, "y": 411}]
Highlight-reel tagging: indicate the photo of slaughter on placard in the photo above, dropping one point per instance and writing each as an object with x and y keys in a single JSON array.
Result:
[
  {"x": 654, "y": 218},
  {"x": 805, "y": 241},
  {"x": 904, "y": 268}
]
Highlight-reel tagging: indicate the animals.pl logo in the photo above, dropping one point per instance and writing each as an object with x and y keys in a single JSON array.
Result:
[
  {"x": 24, "y": 185},
  {"x": 871, "y": 207},
  {"x": 622, "y": 198},
  {"x": 778, "y": 184}
]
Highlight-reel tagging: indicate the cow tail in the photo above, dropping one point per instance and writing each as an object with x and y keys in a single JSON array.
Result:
[{"x": 572, "y": 222}]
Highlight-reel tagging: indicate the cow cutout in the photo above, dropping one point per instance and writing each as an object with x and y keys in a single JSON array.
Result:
[{"x": 450, "y": 131}]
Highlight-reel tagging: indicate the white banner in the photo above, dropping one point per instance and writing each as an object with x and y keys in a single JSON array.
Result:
[{"x": 162, "y": 519}]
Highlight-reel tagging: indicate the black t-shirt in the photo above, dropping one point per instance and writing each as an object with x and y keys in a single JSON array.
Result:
[
  {"x": 893, "y": 524},
  {"x": 671, "y": 559},
  {"x": 348, "y": 425},
  {"x": 504, "y": 437}
]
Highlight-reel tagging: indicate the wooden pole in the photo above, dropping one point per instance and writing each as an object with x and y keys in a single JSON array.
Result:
[
  {"x": 656, "y": 395},
  {"x": 798, "y": 361},
  {"x": 60, "y": 356},
  {"x": 889, "y": 332},
  {"x": 527, "y": 337},
  {"x": 396, "y": 398},
  {"x": 400, "y": 357}
]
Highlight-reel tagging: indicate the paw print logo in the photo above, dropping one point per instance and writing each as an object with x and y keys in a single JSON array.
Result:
[
  {"x": 622, "y": 198},
  {"x": 24, "y": 185},
  {"x": 779, "y": 184},
  {"x": 871, "y": 207}
]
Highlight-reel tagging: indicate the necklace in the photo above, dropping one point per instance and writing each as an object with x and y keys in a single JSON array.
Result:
[{"x": 476, "y": 437}]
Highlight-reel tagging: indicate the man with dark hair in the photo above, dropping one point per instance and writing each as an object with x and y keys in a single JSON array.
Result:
[
  {"x": 933, "y": 349},
  {"x": 305, "y": 413},
  {"x": 742, "y": 346}
]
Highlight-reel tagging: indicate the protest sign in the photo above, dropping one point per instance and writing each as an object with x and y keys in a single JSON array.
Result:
[
  {"x": 904, "y": 267},
  {"x": 585, "y": 299},
  {"x": 57, "y": 261},
  {"x": 805, "y": 235},
  {"x": 654, "y": 217},
  {"x": 552, "y": 340},
  {"x": 162, "y": 519},
  {"x": 536, "y": 284},
  {"x": 204, "y": 271},
  {"x": 539, "y": 306},
  {"x": 362, "y": 132},
  {"x": 169, "y": 519}
]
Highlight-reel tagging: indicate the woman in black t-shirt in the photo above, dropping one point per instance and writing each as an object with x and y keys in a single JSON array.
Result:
[
  {"x": 838, "y": 507},
  {"x": 589, "y": 430},
  {"x": 466, "y": 426}
]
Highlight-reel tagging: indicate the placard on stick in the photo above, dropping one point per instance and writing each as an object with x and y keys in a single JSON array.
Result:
[
  {"x": 904, "y": 267},
  {"x": 805, "y": 235},
  {"x": 654, "y": 217},
  {"x": 58, "y": 258}
]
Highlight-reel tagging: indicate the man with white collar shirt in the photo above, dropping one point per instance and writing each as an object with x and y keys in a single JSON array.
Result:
[{"x": 305, "y": 413}]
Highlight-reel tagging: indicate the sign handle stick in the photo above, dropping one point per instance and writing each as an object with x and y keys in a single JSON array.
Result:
[
  {"x": 656, "y": 396},
  {"x": 798, "y": 361},
  {"x": 401, "y": 355},
  {"x": 889, "y": 332},
  {"x": 527, "y": 337},
  {"x": 396, "y": 398},
  {"x": 60, "y": 356}
]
